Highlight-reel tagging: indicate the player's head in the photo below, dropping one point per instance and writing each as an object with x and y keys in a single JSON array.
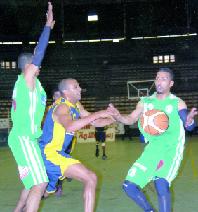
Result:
[
  {"x": 167, "y": 70},
  {"x": 55, "y": 94},
  {"x": 70, "y": 89},
  {"x": 24, "y": 59},
  {"x": 164, "y": 80}
]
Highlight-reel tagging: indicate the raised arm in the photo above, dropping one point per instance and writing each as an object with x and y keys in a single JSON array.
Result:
[
  {"x": 44, "y": 38},
  {"x": 32, "y": 70},
  {"x": 126, "y": 119}
]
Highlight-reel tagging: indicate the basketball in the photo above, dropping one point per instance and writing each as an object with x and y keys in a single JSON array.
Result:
[{"x": 154, "y": 122}]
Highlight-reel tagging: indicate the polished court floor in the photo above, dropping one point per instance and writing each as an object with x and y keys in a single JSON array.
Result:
[{"x": 110, "y": 172}]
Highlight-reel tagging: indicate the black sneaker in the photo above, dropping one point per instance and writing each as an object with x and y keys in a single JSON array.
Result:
[
  {"x": 104, "y": 157},
  {"x": 68, "y": 179},
  {"x": 59, "y": 191}
]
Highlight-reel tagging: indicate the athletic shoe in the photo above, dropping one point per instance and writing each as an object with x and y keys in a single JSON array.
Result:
[
  {"x": 104, "y": 157},
  {"x": 68, "y": 179},
  {"x": 59, "y": 191}
]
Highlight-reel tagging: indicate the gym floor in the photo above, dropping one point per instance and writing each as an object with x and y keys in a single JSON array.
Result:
[{"x": 111, "y": 173}]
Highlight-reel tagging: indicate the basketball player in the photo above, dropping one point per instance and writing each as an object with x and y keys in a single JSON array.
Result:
[
  {"x": 62, "y": 121},
  {"x": 28, "y": 105},
  {"x": 56, "y": 94},
  {"x": 100, "y": 136},
  {"x": 56, "y": 97},
  {"x": 162, "y": 156}
]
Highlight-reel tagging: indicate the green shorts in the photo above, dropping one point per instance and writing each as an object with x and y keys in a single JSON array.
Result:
[
  {"x": 156, "y": 162},
  {"x": 29, "y": 160}
]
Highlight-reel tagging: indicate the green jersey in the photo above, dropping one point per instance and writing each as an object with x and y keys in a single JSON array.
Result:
[
  {"x": 169, "y": 105},
  {"x": 28, "y": 108}
]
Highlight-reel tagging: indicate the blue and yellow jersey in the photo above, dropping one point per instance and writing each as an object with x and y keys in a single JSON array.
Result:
[{"x": 55, "y": 137}]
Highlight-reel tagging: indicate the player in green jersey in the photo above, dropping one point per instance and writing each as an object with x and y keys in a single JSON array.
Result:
[
  {"x": 28, "y": 105},
  {"x": 162, "y": 155}
]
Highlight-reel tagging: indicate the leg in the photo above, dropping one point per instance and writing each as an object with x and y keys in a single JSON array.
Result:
[
  {"x": 34, "y": 197},
  {"x": 104, "y": 157},
  {"x": 133, "y": 192},
  {"x": 59, "y": 188},
  {"x": 97, "y": 149},
  {"x": 32, "y": 172},
  {"x": 163, "y": 192},
  {"x": 138, "y": 176},
  {"x": 89, "y": 179},
  {"x": 22, "y": 201}
]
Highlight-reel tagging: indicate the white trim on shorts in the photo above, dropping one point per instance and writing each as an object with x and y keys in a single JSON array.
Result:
[
  {"x": 37, "y": 171},
  {"x": 178, "y": 156}
]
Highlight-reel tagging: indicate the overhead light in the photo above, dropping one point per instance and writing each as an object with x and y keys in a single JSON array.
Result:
[
  {"x": 32, "y": 42},
  {"x": 92, "y": 16},
  {"x": 94, "y": 40},
  {"x": 52, "y": 41},
  {"x": 11, "y": 43},
  {"x": 116, "y": 40}
]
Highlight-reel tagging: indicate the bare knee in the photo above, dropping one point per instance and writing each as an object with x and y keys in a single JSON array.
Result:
[
  {"x": 40, "y": 188},
  {"x": 92, "y": 179},
  {"x": 81, "y": 173}
]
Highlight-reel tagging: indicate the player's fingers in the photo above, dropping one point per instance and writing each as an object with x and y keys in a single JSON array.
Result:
[{"x": 111, "y": 105}]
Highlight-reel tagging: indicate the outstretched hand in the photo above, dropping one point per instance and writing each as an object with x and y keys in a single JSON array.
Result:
[
  {"x": 49, "y": 16},
  {"x": 113, "y": 111},
  {"x": 193, "y": 112},
  {"x": 103, "y": 114}
]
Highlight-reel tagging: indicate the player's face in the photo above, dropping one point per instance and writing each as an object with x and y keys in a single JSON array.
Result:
[
  {"x": 163, "y": 82},
  {"x": 74, "y": 90},
  {"x": 56, "y": 95}
]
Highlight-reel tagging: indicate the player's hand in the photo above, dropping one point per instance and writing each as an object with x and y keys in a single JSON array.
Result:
[
  {"x": 103, "y": 114},
  {"x": 113, "y": 111},
  {"x": 49, "y": 16},
  {"x": 190, "y": 117}
]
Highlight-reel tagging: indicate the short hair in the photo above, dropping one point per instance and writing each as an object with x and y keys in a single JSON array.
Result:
[
  {"x": 63, "y": 84},
  {"x": 23, "y": 59},
  {"x": 167, "y": 70}
]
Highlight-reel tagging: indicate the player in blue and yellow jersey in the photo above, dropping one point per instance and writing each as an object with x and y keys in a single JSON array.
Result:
[
  {"x": 28, "y": 105},
  {"x": 56, "y": 98},
  {"x": 62, "y": 121},
  {"x": 163, "y": 153}
]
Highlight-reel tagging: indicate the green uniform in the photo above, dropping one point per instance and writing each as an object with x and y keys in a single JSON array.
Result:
[
  {"x": 27, "y": 112},
  {"x": 163, "y": 154}
]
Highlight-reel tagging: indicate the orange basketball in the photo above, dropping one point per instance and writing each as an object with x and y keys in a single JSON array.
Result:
[{"x": 154, "y": 122}]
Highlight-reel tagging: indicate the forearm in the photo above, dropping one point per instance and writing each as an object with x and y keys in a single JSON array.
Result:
[
  {"x": 41, "y": 47},
  {"x": 102, "y": 122},
  {"x": 75, "y": 125},
  {"x": 127, "y": 120},
  {"x": 191, "y": 126},
  {"x": 184, "y": 117}
]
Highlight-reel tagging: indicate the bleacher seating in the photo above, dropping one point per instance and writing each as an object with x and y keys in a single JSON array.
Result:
[{"x": 103, "y": 72}]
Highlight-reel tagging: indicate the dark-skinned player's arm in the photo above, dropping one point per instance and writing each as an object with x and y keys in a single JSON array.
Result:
[
  {"x": 63, "y": 117},
  {"x": 101, "y": 122},
  {"x": 187, "y": 118},
  {"x": 126, "y": 119},
  {"x": 30, "y": 71}
]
